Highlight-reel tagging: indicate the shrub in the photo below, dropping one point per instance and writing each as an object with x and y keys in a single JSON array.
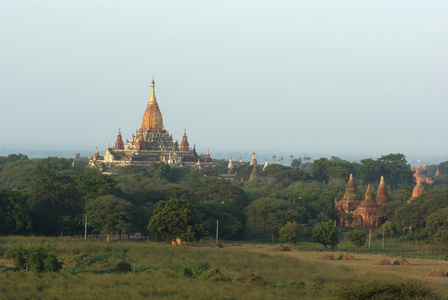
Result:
[
  {"x": 290, "y": 233},
  {"x": 35, "y": 259},
  {"x": 185, "y": 271}
]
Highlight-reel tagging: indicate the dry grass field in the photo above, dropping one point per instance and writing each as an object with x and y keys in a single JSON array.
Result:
[{"x": 243, "y": 271}]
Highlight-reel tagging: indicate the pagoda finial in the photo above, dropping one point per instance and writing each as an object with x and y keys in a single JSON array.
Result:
[
  {"x": 152, "y": 99},
  {"x": 382, "y": 180},
  {"x": 351, "y": 178}
]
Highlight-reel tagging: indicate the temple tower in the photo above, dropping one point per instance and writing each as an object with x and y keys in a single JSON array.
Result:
[
  {"x": 366, "y": 214},
  {"x": 119, "y": 145},
  {"x": 417, "y": 191},
  {"x": 152, "y": 118},
  {"x": 381, "y": 197},
  {"x": 184, "y": 146}
]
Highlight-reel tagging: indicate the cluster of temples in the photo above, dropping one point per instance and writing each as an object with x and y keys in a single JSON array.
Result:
[
  {"x": 351, "y": 211},
  {"x": 151, "y": 143}
]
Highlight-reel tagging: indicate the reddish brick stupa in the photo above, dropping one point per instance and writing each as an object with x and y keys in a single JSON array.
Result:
[
  {"x": 381, "y": 197},
  {"x": 184, "y": 146},
  {"x": 119, "y": 145},
  {"x": 366, "y": 214}
]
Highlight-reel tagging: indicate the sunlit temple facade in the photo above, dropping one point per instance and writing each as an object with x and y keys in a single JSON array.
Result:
[{"x": 151, "y": 143}]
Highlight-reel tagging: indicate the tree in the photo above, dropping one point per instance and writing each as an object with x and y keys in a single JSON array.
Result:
[
  {"x": 295, "y": 163},
  {"x": 14, "y": 213},
  {"x": 231, "y": 218},
  {"x": 290, "y": 233},
  {"x": 35, "y": 259},
  {"x": 274, "y": 157},
  {"x": 109, "y": 215},
  {"x": 395, "y": 170},
  {"x": 437, "y": 226},
  {"x": 325, "y": 233},
  {"x": 56, "y": 206},
  {"x": 175, "y": 218},
  {"x": 357, "y": 238},
  {"x": 270, "y": 214},
  {"x": 387, "y": 229}
]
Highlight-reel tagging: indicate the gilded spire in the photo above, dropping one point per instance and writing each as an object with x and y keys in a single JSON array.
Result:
[
  {"x": 152, "y": 99},
  {"x": 152, "y": 118}
]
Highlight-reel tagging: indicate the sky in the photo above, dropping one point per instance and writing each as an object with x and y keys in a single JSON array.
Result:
[{"x": 337, "y": 77}]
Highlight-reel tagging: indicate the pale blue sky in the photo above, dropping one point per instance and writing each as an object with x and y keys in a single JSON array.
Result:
[{"x": 360, "y": 77}]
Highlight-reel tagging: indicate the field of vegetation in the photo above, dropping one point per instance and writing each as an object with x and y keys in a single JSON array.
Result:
[
  {"x": 95, "y": 269},
  {"x": 46, "y": 203}
]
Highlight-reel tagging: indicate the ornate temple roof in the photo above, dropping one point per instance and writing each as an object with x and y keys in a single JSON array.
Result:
[
  {"x": 152, "y": 118},
  {"x": 381, "y": 197}
]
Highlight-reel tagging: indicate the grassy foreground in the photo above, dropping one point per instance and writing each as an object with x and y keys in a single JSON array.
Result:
[{"x": 245, "y": 272}]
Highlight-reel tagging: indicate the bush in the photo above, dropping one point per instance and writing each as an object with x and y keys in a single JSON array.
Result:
[
  {"x": 35, "y": 259},
  {"x": 290, "y": 233},
  {"x": 185, "y": 271}
]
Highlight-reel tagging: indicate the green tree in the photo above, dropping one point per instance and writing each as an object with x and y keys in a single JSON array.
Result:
[
  {"x": 35, "y": 259},
  {"x": 395, "y": 170},
  {"x": 270, "y": 214},
  {"x": 290, "y": 233},
  {"x": 175, "y": 218},
  {"x": 325, "y": 233},
  {"x": 295, "y": 163},
  {"x": 231, "y": 218},
  {"x": 357, "y": 238},
  {"x": 56, "y": 206},
  {"x": 109, "y": 215},
  {"x": 437, "y": 226},
  {"x": 388, "y": 229},
  {"x": 223, "y": 191},
  {"x": 14, "y": 213}
]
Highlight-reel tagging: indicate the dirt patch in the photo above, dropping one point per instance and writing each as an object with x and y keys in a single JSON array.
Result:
[
  {"x": 275, "y": 248},
  {"x": 7, "y": 262},
  {"x": 400, "y": 261},
  {"x": 326, "y": 257},
  {"x": 437, "y": 273},
  {"x": 345, "y": 256},
  {"x": 254, "y": 279},
  {"x": 381, "y": 262},
  {"x": 287, "y": 247}
]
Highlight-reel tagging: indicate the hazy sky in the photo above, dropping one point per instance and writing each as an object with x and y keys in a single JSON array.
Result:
[{"x": 290, "y": 76}]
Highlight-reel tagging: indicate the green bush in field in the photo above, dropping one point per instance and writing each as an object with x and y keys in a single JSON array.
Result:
[
  {"x": 325, "y": 233},
  {"x": 386, "y": 290},
  {"x": 185, "y": 271},
  {"x": 290, "y": 233},
  {"x": 35, "y": 259}
]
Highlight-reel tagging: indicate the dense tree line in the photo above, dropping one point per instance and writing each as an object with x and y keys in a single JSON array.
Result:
[{"x": 53, "y": 196}]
